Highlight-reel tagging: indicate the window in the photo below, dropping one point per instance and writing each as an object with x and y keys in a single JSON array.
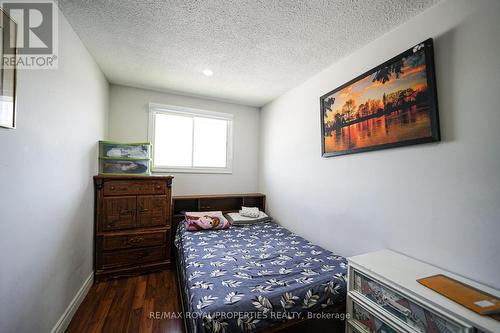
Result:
[{"x": 190, "y": 140}]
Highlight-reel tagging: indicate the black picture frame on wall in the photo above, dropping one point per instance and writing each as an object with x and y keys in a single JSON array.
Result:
[
  {"x": 8, "y": 71},
  {"x": 392, "y": 105}
]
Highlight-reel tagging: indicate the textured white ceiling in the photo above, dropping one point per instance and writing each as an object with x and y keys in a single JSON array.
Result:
[{"x": 257, "y": 49}]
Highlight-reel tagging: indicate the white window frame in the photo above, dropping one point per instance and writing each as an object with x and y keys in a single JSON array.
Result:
[{"x": 155, "y": 108}]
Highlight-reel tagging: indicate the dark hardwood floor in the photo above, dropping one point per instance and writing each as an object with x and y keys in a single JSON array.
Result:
[{"x": 124, "y": 305}]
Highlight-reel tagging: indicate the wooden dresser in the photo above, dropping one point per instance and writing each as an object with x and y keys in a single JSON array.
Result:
[
  {"x": 384, "y": 296},
  {"x": 132, "y": 225}
]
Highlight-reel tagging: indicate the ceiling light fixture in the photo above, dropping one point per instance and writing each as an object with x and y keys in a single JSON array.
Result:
[{"x": 208, "y": 72}]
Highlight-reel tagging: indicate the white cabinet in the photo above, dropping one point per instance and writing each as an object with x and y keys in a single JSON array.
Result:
[{"x": 384, "y": 297}]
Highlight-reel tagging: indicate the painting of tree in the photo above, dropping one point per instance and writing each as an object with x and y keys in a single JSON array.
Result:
[{"x": 348, "y": 108}]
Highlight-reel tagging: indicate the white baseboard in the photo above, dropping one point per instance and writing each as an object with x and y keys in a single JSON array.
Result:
[{"x": 66, "y": 317}]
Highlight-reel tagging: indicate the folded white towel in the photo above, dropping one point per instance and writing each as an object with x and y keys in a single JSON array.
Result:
[{"x": 250, "y": 211}]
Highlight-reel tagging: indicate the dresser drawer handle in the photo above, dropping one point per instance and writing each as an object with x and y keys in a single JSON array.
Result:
[
  {"x": 135, "y": 240},
  {"x": 143, "y": 254},
  {"x": 144, "y": 210},
  {"x": 125, "y": 211},
  {"x": 119, "y": 188},
  {"x": 158, "y": 186}
]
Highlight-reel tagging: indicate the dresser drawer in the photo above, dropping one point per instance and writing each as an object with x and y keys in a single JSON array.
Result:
[
  {"x": 365, "y": 321},
  {"x": 121, "y": 187},
  {"x": 405, "y": 310},
  {"x": 134, "y": 240},
  {"x": 352, "y": 327},
  {"x": 118, "y": 213},
  {"x": 133, "y": 256}
]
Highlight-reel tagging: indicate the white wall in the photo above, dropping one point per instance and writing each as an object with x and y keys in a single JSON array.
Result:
[
  {"x": 128, "y": 122},
  {"x": 46, "y": 195},
  {"x": 436, "y": 202}
]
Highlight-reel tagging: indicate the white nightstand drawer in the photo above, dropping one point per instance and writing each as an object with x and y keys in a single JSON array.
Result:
[
  {"x": 365, "y": 320},
  {"x": 354, "y": 327},
  {"x": 402, "y": 308}
]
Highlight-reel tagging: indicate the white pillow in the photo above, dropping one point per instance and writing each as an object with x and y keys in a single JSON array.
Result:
[
  {"x": 236, "y": 218},
  {"x": 250, "y": 211}
]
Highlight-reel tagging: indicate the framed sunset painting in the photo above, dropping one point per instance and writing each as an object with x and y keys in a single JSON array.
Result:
[{"x": 394, "y": 104}]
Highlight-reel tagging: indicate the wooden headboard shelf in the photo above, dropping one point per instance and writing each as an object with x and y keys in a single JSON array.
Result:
[{"x": 224, "y": 202}]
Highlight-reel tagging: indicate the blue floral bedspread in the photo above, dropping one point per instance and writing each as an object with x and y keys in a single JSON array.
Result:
[{"x": 248, "y": 278}]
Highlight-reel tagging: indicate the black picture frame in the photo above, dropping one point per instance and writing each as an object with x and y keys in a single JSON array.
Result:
[
  {"x": 8, "y": 71},
  {"x": 431, "y": 99}
]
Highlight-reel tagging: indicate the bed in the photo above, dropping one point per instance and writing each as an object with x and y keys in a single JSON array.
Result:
[{"x": 255, "y": 277}]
